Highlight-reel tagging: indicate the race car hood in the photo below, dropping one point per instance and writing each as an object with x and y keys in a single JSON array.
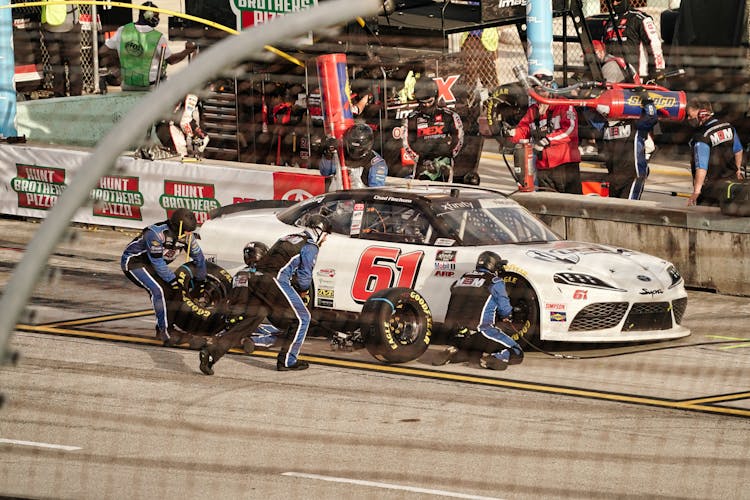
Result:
[{"x": 601, "y": 266}]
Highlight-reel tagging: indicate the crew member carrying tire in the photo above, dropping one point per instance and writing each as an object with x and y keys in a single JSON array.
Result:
[
  {"x": 146, "y": 260},
  {"x": 476, "y": 298},
  {"x": 279, "y": 290}
]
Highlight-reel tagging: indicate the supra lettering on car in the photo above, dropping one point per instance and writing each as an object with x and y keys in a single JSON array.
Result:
[{"x": 383, "y": 267}]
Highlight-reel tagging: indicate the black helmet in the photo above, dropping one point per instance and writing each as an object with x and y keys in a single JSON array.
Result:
[
  {"x": 149, "y": 17},
  {"x": 319, "y": 225},
  {"x": 253, "y": 252},
  {"x": 182, "y": 221},
  {"x": 491, "y": 262},
  {"x": 358, "y": 141},
  {"x": 622, "y": 7},
  {"x": 425, "y": 88}
]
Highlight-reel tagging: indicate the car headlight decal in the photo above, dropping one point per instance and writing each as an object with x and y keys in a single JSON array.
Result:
[
  {"x": 583, "y": 280},
  {"x": 674, "y": 275}
]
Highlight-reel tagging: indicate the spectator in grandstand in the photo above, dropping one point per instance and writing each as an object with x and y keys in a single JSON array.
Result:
[
  {"x": 634, "y": 37},
  {"x": 366, "y": 167},
  {"x": 62, "y": 38},
  {"x": 553, "y": 130},
  {"x": 716, "y": 154},
  {"x": 143, "y": 51}
]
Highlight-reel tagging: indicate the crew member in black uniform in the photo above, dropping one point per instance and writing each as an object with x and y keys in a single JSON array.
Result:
[
  {"x": 477, "y": 298},
  {"x": 716, "y": 154},
  {"x": 145, "y": 262},
  {"x": 624, "y": 148},
  {"x": 279, "y": 290},
  {"x": 434, "y": 134},
  {"x": 636, "y": 40}
]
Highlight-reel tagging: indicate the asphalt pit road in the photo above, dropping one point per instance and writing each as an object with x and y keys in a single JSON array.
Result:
[{"x": 409, "y": 420}]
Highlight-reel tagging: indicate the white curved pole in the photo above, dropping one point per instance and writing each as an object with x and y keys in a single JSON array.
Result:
[{"x": 226, "y": 53}]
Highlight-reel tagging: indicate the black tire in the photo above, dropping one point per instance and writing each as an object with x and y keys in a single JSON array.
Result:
[
  {"x": 396, "y": 324},
  {"x": 194, "y": 313},
  {"x": 218, "y": 283},
  {"x": 525, "y": 309}
]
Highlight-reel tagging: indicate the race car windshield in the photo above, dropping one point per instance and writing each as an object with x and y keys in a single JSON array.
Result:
[{"x": 496, "y": 225}]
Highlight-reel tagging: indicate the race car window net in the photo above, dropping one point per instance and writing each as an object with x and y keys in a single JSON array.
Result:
[{"x": 494, "y": 226}]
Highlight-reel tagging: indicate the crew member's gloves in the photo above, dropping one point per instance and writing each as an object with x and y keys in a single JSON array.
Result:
[
  {"x": 649, "y": 108},
  {"x": 507, "y": 130},
  {"x": 305, "y": 296},
  {"x": 330, "y": 145},
  {"x": 540, "y": 144}
]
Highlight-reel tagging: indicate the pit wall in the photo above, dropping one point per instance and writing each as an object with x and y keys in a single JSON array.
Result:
[{"x": 711, "y": 250}]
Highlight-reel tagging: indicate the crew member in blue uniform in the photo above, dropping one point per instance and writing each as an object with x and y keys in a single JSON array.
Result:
[
  {"x": 366, "y": 167},
  {"x": 146, "y": 259},
  {"x": 477, "y": 298},
  {"x": 279, "y": 290},
  {"x": 716, "y": 154}
]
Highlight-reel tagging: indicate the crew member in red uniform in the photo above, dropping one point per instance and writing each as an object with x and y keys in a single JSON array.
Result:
[{"x": 553, "y": 129}]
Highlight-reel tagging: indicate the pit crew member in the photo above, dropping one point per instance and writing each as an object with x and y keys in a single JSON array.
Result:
[
  {"x": 636, "y": 39},
  {"x": 279, "y": 290},
  {"x": 476, "y": 298},
  {"x": 366, "y": 167},
  {"x": 434, "y": 134},
  {"x": 146, "y": 259}
]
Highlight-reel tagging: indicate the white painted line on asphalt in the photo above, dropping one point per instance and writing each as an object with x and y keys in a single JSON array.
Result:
[
  {"x": 388, "y": 486},
  {"x": 39, "y": 445}
]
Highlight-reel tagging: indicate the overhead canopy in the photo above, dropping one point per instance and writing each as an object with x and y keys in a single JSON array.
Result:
[
  {"x": 710, "y": 24},
  {"x": 443, "y": 18}
]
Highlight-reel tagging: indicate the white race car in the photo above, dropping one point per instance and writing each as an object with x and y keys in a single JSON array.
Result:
[{"x": 383, "y": 276}]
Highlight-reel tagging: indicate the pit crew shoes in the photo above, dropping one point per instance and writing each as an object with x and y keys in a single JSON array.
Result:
[
  {"x": 298, "y": 365},
  {"x": 492, "y": 363},
  {"x": 247, "y": 345},
  {"x": 445, "y": 357},
  {"x": 207, "y": 362}
]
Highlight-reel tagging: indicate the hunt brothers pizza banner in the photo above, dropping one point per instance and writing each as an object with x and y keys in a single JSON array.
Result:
[{"x": 32, "y": 178}]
